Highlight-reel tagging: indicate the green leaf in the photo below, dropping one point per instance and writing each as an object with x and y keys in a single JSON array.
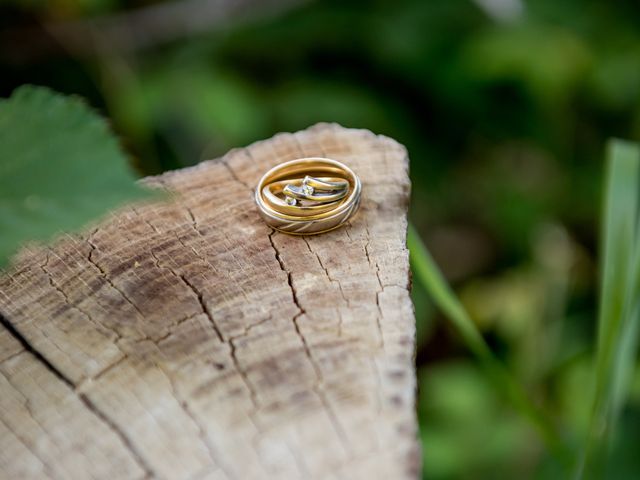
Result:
[
  {"x": 619, "y": 317},
  {"x": 60, "y": 167},
  {"x": 428, "y": 273}
]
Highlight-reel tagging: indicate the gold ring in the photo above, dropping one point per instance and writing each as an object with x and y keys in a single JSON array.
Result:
[
  {"x": 308, "y": 195},
  {"x": 284, "y": 205}
]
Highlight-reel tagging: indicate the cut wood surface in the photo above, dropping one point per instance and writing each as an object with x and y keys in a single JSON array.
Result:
[{"x": 184, "y": 339}]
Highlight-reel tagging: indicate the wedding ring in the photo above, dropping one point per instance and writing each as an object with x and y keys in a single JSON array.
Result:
[
  {"x": 325, "y": 185},
  {"x": 308, "y": 195},
  {"x": 294, "y": 192},
  {"x": 272, "y": 196}
]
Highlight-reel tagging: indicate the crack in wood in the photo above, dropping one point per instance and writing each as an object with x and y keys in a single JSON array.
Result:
[
  {"x": 225, "y": 162},
  {"x": 129, "y": 445},
  {"x": 203, "y": 304},
  {"x": 179, "y": 322},
  {"x": 45, "y": 467},
  {"x": 105, "y": 275},
  {"x": 13, "y": 331},
  {"x": 194, "y": 418},
  {"x": 379, "y": 291},
  {"x": 83, "y": 398},
  {"x": 318, "y": 385},
  {"x": 74, "y": 305},
  {"x": 326, "y": 271},
  {"x": 243, "y": 374},
  {"x": 95, "y": 377}
]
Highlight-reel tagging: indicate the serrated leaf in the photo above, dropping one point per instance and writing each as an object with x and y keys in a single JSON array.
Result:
[{"x": 60, "y": 166}]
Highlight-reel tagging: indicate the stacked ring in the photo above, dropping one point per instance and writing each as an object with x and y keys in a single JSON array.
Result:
[{"x": 308, "y": 195}]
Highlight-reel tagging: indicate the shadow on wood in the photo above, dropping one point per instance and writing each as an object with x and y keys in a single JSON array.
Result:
[{"x": 186, "y": 340}]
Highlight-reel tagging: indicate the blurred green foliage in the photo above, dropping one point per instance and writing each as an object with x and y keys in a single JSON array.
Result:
[
  {"x": 618, "y": 329},
  {"x": 504, "y": 106}
]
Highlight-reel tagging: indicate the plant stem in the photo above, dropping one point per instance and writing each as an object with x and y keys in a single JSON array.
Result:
[
  {"x": 619, "y": 316},
  {"x": 433, "y": 281}
]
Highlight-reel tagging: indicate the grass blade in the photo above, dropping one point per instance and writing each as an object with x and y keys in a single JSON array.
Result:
[
  {"x": 618, "y": 320},
  {"x": 433, "y": 281}
]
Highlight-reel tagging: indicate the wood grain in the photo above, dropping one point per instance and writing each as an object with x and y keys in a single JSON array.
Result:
[{"x": 184, "y": 339}]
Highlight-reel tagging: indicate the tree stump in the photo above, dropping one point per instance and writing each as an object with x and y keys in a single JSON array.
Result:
[{"x": 184, "y": 339}]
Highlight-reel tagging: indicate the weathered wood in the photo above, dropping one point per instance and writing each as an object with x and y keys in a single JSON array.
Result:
[{"x": 185, "y": 339}]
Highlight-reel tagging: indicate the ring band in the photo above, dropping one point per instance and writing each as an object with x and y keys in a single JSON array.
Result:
[
  {"x": 324, "y": 184},
  {"x": 299, "y": 193},
  {"x": 308, "y": 196},
  {"x": 270, "y": 193}
]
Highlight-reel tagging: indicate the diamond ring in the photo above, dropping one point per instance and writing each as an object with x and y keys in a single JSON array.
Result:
[{"x": 308, "y": 195}]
